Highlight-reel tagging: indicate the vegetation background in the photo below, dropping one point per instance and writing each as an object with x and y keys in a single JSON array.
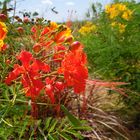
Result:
[{"x": 110, "y": 36}]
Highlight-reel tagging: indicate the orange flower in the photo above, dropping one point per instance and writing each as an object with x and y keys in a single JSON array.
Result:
[
  {"x": 3, "y": 30},
  {"x": 62, "y": 36}
]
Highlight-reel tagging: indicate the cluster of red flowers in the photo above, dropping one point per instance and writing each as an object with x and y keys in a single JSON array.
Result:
[
  {"x": 29, "y": 70},
  {"x": 73, "y": 68},
  {"x": 57, "y": 64}
]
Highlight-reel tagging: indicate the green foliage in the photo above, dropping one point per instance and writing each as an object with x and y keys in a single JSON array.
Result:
[
  {"x": 21, "y": 127},
  {"x": 17, "y": 123},
  {"x": 74, "y": 121},
  {"x": 114, "y": 55}
]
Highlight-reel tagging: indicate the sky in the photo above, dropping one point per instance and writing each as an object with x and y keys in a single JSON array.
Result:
[
  {"x": 65, "y": 8},
  {"x": 74, "y": 9}
]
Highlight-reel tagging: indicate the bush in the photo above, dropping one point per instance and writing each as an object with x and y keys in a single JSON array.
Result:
[{"x": 113, "y": 51}]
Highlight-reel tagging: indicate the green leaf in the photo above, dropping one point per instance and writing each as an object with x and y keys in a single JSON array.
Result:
[
  {"x": 38, "y": 122},
  {"x": 23, "y": 128},
  {"x": 73, "y": 120},
  {"x": 50, "y": 137},
  {"x": 88, "y": 128},
  {"x": 48, "y": 120},
  {"x": 75, "y": 133},
  {"x": 32, "y": 133},
  {"x": 65, "y": 136},
  {"x": 53, "y": 124},
  {"x": 63, "y": 121}
]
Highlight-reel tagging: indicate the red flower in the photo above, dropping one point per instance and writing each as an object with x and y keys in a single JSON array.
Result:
[
  {"x": 60, "y": 37},
  {"x": 59, "y": 86},
  {"x": 45, "y": 31},
  {"x": 53, "y": 88},
  {"x": 49, "y": 92},
  {"x": 60, "y": 52},
  {"x": 42, "y": 38},
  {"x": 30, "y": 74},
  {"x": 69, "y": 23},
  {"x": 25, "y": 58},
  {"x": 14, "y": 74},
  {"x": 4, "y": 47},
  {"x": 31, "y": 85},
  {"x": 49, "y": 89},
  {"x": 38, "y": 65},
  {"x": 74, "y": 70},
  {"x": 35, "y": 32},
  {"x": 33, "y": 29}
]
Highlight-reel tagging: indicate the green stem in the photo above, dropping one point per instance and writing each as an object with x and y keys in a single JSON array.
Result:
[{"x": 18, "y": 100}]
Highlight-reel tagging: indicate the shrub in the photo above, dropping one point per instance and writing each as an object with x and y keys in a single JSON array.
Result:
[{"x": 113, "y": 51}]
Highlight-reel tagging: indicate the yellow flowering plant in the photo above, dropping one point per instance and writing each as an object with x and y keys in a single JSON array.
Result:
[
  {"x": 119, "y": 14},
  {"x": 114, "y": 50},
  {"x": 88, "y": 27},
  {"x": 119, "y": 26},
  {"x": 118, "y": 10}
]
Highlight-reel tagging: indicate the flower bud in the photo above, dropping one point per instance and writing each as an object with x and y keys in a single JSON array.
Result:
[
  {"x": 69, "y": 39},
  {"x": 26, "y": 20},
  {"x": 37, "y": 47},
  {"x": 20, "y": 30},
  {"x": 3, "y": 17},
  {"x": 8, "y": 61},
  {"x": 75, "y": 45}
]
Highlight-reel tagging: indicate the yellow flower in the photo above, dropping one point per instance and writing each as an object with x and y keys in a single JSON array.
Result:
[
  {"x": 1, "y": 44},
  {"x": 3, "y": 30},
  {"x": 87, "y": 28},
  {"x": 68, "y": 32},
  {"x": 53, "y": 25},
  {"x": 114, "y": 24},
  {"x": 118, "y": 10},
  {"x": 107, "y": 8},
  {"x": 127, "y": 15},
  {"x": 112, "y": 11},
  {"x": 121, "y": 27},
  {"x": 114, "y": 14},
  {"x": 121, "y": 7}
]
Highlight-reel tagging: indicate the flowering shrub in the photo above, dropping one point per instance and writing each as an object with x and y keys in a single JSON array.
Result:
[
  {"x": 113, "y": 52},
  {"x": 54, "y": 65},
  {"x": 89, "y": 27},
  {"x": 118, "y": 10},
  {"x": 118, "y": 13}
]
